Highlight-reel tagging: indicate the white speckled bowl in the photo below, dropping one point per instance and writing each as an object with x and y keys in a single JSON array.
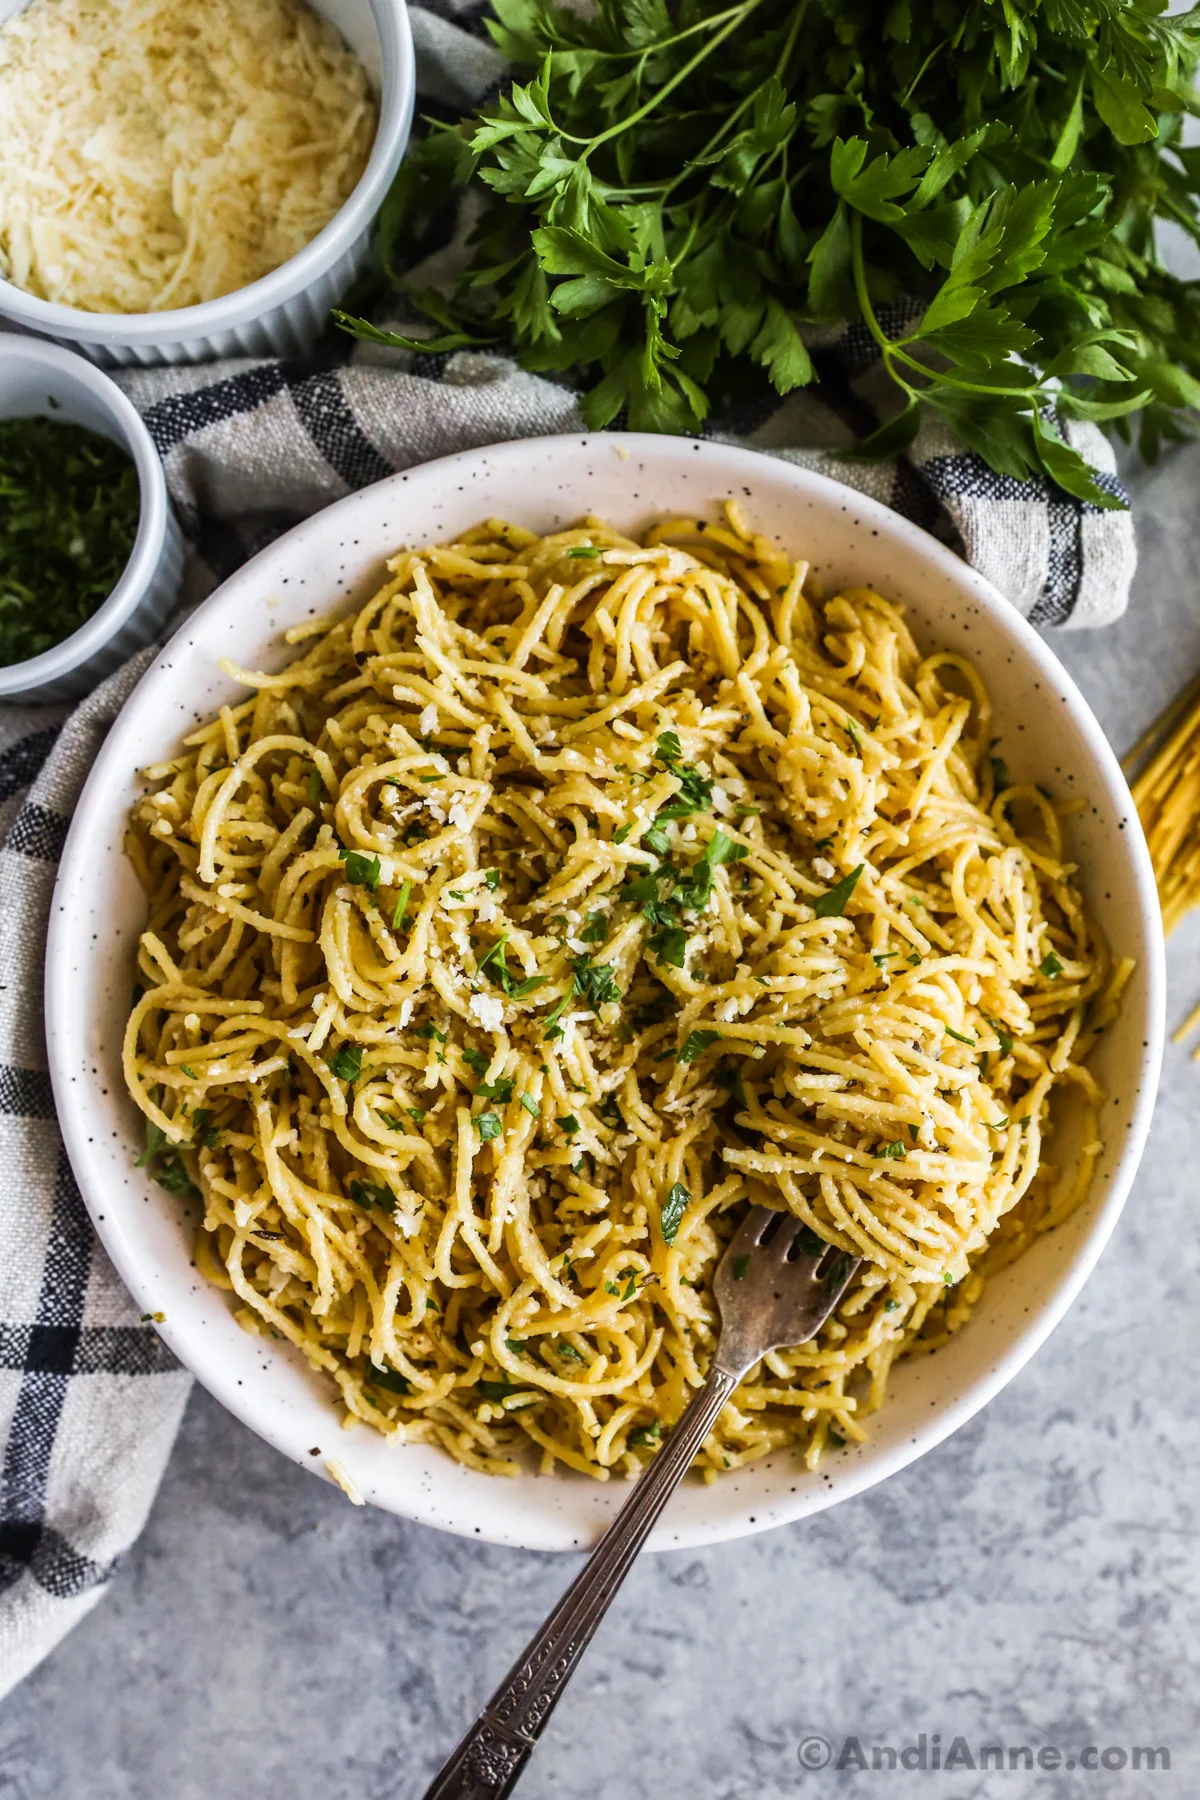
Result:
[{"x": 546, "y": 483}]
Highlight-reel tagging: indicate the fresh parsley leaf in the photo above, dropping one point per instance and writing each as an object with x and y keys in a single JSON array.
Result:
[
  {"x": 568, "y": 1123},
  {"x": 431, "y": 1032},
  {"x": 580, "y": 551},
  {"x": 189, "y": 1071},
  {"x": 597, "y": 929},
  {"x": 669, "y": 946},
  {"x": 1050, "y": 965},
  {"x": 156, "y": 1140},
  {"x": 673, "y": 1208},
  {"x": 492, "y": 879},
  {"x": 1003, "y": 1035},
  {"x": 361, "y": 871},
  {"x": 475, "y": 1060},
  {"x": 958, "y": 1037},
  {"x": 488, "y": 1125},
  {"x": 894, "y": 1150},
  {"x": 495, "y": 966},
  {"x": 314, "y": 786},
  {"x": 401, "y": 908},
  {"x": 695, "y": 1044},
  {"x": 531, "y": 1106},
  {"x": 373, "y": 1194},
  {"x": 594, "y": 983},
  {"x": 570, "y": 1352},
  {"x": 646, "y": 1435},
  {"x": 656, "y": 839},
  {"x": 501, "y": 1090},
  {"x": 730, "y": 1077},
  {"x": 346, "y": 1063},
  {"x": 832, "y": 904},
  {"x": 391, "y": 1379}
]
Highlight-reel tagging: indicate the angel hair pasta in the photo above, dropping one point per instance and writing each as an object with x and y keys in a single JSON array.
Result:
[{"x": 539, "y": 915}]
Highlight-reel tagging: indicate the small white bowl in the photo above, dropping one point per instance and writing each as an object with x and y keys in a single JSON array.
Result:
[
  {"x": 281, "y": 314},
  {"x": 99, "y": 910},
  {"x": 41, "y": 380}
]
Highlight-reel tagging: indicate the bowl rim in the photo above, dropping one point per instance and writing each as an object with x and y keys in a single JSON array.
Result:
[
  {"x": 154, "y": 511},
  {"x": 420, "y": 1503},
  {"x": 208, "y": 318}
]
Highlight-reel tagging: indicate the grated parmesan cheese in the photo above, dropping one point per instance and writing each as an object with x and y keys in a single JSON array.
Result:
[{"x": 158, "y": 155}]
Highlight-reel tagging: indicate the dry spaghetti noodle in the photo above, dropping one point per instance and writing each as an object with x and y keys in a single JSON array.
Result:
[{"x": 566, "y": 897}]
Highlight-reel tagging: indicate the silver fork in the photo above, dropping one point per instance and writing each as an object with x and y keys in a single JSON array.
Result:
[{"x": 776, "y": 1285}]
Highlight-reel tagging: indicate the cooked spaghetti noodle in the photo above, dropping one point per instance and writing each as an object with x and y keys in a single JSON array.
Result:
[{"x": 540, "y": 914}]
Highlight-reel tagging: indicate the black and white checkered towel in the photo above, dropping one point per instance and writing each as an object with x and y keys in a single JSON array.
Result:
[{"x": 89, "y": 1399}]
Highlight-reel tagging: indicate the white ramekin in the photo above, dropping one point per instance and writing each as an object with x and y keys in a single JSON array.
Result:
[
  {"x": 281, "y": 314},
  {"x": 39, "y": 379}
]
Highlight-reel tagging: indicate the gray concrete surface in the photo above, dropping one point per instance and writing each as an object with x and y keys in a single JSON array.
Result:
[{"x": 1032, "y": 1583}]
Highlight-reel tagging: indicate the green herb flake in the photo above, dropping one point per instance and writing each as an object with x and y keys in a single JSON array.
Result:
[
  {"x": 959, "y": 1037},
  {"x": 621, "y": 833},
  {"x": 501, "y": 1090},
  {"x": 891, "y": 1306},
  {"x": 488, "y": 1125},
  {"x": 570, "y": 1352},
  {"x": 579, "y": 552},
  {"x": 361, "y": 871},
  {"x": 646, "y": 1435},
  {"x": 673, "y": 1208},
  {"x": 531, "y": 1106},
  {"x": 391, "y": 1379},
  {"x": 1050, "y": 966},
  {"x": 741, "y": 1265},
  {"x": 832, "y": 904},
  {"x": 656, "y": 839},
  {"x": 597, "y": 929},
  {"x": 189, "y": 1071},
  {"x": 476, "y": 1061},
  {"x": 430, "y": 1032},
  {"x": 69, "y": 511},
  {"x": 894, "y": 1150},
  {"x": 695, "y": 1044},
  {"x": 314, "y": 786},
  {"x": 491, "y": 879},
  {"x": 346, "y": 1063},
  {"x": 568, "y": 1123},
  {"x": 730, "y": 1077},
  {"x": 401, "y": 908},
  {"x": 594, "y": 983},
  {"x": 373, "y": 1194}
]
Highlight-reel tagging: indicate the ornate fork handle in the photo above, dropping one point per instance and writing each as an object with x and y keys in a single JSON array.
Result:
[{"x": 489, "y": 1760}]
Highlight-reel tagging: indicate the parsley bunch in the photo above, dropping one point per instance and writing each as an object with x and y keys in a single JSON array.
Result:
[{"x": 672, "y": 188}]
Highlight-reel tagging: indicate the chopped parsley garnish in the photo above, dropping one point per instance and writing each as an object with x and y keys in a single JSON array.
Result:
[
  {"x": 361, "y": 871},
  {"x": 594, "y": 983},
  {"x": 913, "y": 1132},
  {"x": 646, "y": 1434},
  {"x": 516, "y": 1345},
  {"x": 346, "y": 1063},
  {"x": 657, "y": 840},
  {"x": 497, "y": 1390},
  {"x": 588, "y": 551},
  {"x": 881, "y": 957},
  {"x": 476, "y": 1061},
  {"x": 531, "y": 1106},
  {"x": 495, "y": 966},
  {"x": 492, "y": 879},
  {"x": 401, "y": 906},
  {"x": 741, "y": 811},
  {"x": 172, "y": 1174},
  {"x": 669, "y": 946},
  {"x": 694, "y": 891},
  {"x": 391, "y": 1379},
  {"x": 569, "y": 1123},
  {"x": 695, "y": 1044},
  {"x": 891, "y": 1306},
  {"x": 501, "y": 1090},
  {"x": 597, "y": 929},
  {"x": 998, "y": 1124},
  {"x": 1051, "y": 965},
  {"x": 373, "y": 1193},
  {"x": 853, "y": 736},
  {"x": 488, "y": 1125},
  {"x": 836, "y": 1439},
  {"x": 821, "y": 844},
  {"x": 189, "y": 1071},
  {"x": 629, "y": 1277},
  {"x": 740, "y": 1266},
  {"x": 204, "y": 1133},
  {"x": 832, "y": 904},
  {"x": 621, "y": 833},
  {"x": 729, "y": 1076},
  {"x": 673, "y": 1208},
  {"x": 894, "y": 1150},
  {"x": 611, "y": 1113},
  {"x": 912, "y": 959},
  {"x": 314, "y": 786},
  {"x": 570, "y": 1352},
  {"x": 1005, "y": 1037},
  {"x": 959, "y": 1037},
  {"x": 431, "y": 1032},
  {"x": 552, "y": 1027}
]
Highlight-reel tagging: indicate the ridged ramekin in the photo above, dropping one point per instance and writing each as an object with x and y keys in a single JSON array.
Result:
[
  {"x": 43, "y": 380},
  {"x": 281, "y": 314}
]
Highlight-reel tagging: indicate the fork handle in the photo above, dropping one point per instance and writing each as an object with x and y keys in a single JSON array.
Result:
[{"x": 488, "y": 1762}]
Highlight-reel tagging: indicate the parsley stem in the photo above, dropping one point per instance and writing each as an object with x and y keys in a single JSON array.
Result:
[{"x": 734, "y": 18}]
